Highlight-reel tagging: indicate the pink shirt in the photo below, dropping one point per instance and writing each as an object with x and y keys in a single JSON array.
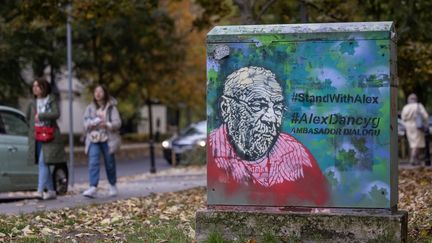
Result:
[{"x": 289, "y": 170}]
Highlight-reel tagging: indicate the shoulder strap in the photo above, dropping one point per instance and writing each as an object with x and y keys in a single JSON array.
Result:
[{"x": 109, "y": 112}]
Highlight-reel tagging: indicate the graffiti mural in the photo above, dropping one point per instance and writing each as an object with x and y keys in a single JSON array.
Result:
[
  {"x": 250, "y": 145},
  {"x": 296, "y": 121}
]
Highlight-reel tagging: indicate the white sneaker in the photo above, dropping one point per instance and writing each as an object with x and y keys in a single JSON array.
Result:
[
  {"x": 49, "y": 195},
  {"x": 112, "y": 191},
  {"x": 91, "y": 192},
  {"x": 38, "y": 195}
]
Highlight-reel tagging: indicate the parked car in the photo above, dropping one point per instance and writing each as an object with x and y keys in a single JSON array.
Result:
[
  {"x": 16, "y": 173},
  {"x": 192, "y": 136}
]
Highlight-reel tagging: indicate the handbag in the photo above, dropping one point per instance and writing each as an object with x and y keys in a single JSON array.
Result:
[
  {"x": 98, "y": 136},
  {"x": 44, "y": 133},
  {"x": 420, "y": 124}
]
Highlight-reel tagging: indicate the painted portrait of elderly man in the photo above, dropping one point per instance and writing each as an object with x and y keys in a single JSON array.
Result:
[{"x": 249, "y": 152}]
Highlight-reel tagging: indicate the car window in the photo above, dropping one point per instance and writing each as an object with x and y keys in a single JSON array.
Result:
[
  {"x": 14, "y": 124},
  {"x": 189, "y": 131},
  {"x": 202, "y": 127},
  {"x": 2, "y": 129}
]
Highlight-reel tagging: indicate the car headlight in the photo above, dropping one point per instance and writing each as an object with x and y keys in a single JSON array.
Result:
[
  {"x": 165, "y": 144},
  {"x": 201, "y": 143}
]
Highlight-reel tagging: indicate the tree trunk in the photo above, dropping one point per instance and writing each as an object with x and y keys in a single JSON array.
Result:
[
  {"x": 250, "y": 13},
  {"x": 246, "y": 11},
  {"x": 188, "y": 115},
  {"x": 304, "y": 18},
  {"x": 96, "y": 56}
]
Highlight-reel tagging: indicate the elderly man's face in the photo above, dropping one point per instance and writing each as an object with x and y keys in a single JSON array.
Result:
[{"x": 255, "y": 119}]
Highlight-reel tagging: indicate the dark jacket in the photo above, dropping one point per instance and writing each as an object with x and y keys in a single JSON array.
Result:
[{"x": 53, "y": 151}]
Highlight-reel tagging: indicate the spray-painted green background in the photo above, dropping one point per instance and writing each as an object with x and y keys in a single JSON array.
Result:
[{"x": 356, "y": 166}]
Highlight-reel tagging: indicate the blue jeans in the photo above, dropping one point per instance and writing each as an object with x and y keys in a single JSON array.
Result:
[
  {"x": 94, "y": 152},
  {"x": 45, "y": 180}
]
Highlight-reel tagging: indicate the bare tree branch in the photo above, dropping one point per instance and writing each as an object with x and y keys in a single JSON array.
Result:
[
  {"x": 246, "y": 11},
  {"x": 265, "y": 7},
  {"x": 325, "y": 11}
]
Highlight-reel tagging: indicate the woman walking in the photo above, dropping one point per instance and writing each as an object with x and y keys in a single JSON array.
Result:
[
  {"x": 101, "y": 123},
  {"x": 45, "y": 144}
]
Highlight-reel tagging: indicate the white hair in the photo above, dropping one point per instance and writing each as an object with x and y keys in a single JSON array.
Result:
[{"x": 237, "y": 82}]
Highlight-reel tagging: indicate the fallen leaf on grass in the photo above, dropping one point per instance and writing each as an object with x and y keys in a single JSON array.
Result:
[
  {"x": 115, "y": 217},
  {"x": 27, "y": 231},
  {"x": 106, "y": 221},
  {"x": 81, "y": 235},
  {"x": 117, "y": 220},
  {"x": 415, "y": 197},
  {"x": 15, "y": 231},
  {"x": 47, "y": 231}
]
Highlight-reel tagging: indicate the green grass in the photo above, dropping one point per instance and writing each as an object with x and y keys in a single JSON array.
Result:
[
  {"x": 172, "y": 231},
  {"x": 196, "y": 156},
  {"x": 269, "y": 238},
  {"x": 423, "y": 239},
  {"x": 34, "y": 239},
  {"x": 6, "y": 228},
  {"x": 215, "y": 237}
]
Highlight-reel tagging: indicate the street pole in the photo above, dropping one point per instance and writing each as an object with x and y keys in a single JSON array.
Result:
[
  {"x": 151, "y": 142},
  {"x": 427, "y": 148},
  {"x": 69, "y": 67}
]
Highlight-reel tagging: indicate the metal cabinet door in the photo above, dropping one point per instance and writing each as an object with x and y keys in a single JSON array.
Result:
[{"x": 4, "y": 157}]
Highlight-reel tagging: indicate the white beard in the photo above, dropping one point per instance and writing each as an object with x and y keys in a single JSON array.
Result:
[{"x": 251, "y": 141}]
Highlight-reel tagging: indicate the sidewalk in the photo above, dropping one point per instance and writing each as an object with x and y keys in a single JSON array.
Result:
[{"x": 171, "y": 180}]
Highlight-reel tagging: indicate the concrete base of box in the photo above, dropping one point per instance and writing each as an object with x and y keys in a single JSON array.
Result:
[{"x": 264, "y": 225}]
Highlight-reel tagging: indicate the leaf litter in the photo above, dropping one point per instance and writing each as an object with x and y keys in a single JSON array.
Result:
[{"x": 116, "y": 221}]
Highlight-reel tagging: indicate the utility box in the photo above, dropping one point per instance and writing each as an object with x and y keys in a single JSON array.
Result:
[{"x": 302, "y": 115}]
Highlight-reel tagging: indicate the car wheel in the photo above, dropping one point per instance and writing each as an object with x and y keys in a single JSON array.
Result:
[
  {"x": 167, "y": 155},
  {"x": 61, "y": 179}
]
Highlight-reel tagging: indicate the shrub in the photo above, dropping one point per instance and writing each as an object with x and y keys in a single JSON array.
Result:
[
  {"x": 196, "y": 156},
  {"x": 142, "y": 138}
]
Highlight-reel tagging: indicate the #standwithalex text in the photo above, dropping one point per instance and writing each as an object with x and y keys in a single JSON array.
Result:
[{"x": 334, "y": 98}]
